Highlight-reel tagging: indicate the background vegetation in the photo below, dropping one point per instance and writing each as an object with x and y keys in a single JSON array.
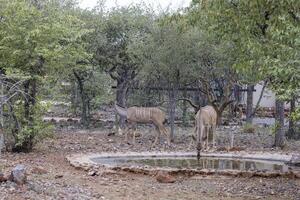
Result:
[{"x": 53, "y": 51}]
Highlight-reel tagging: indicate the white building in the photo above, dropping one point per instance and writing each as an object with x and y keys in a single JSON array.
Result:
[{"x": 268, "y": 98}]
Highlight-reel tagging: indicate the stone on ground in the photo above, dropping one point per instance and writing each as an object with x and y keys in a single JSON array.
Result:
[
  {"x": 2, "y": 177},
  {"x": 18, "y": 174},
  {"x": 162, "y": 177}
]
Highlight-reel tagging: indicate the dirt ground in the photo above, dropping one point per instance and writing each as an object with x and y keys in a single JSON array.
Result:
[{"x": 51, "y": 177}]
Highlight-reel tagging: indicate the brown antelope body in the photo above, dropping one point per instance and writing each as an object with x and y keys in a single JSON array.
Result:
[
  {"x": 145, "y": 115},
  {"x": 205, "y": 123}
]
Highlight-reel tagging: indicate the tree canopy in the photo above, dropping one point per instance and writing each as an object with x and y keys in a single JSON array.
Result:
[{"x": 54, "y": 50}]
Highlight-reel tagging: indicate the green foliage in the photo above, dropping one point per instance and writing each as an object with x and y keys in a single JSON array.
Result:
[
  {"x": 114, "y": 33},
  {"x": 24, "y": 133},
  {"x": 296, "y": 115},
  {"x": 169, "y": 55},
  {"x": 29, "y": 34},
  {"x": 38, "y": 40},
  {"x": 35, "y": 130},
  {"x": 265, "y": 35}
]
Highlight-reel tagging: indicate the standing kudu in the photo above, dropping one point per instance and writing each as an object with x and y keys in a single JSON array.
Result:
[
  {"x": 205, "y": 123},
  {"x": 145, "y": 115}
]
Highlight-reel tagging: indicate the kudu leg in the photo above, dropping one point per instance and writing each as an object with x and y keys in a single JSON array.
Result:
[
  {"x": 166, "y": 133},
  {"x": 193, "y": 138},
  {"x": 206, "y": 129},
  {"x": 199, "y": 140},
  {"x": 157, "y": 135},
  {"x": 214, "y": 134},
  {"x": 133, "y": 137},
  {"x": 126, "y": 134}
]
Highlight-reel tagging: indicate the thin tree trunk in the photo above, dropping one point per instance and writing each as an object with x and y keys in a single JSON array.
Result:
[
  {"x": 219, "y": 116},
  {"x": 172, "y": 107},
  {"x": 197, "y": 100},
  {"x": 184, "y": 109},
  {"x": 33, "y": 92},
  {"x": 291, "y": 132},
  {"x": 249, "y": 108},
  {"x": 30, "y": 87},
  {"x": 279, "y": 122},
  {"x": 26, "y": 102},
  {"x": 84, "y": 116},
  {"x": 260, "y": 98},
  {"x": 220, "y": 110},
  {"x": 84, "y": 110},
  {"x": 121, "y": 100},
  {"x": 74, "y": 98}
]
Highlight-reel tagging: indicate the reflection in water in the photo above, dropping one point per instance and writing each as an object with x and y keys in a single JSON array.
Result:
[{"x": 193, "y": 163}]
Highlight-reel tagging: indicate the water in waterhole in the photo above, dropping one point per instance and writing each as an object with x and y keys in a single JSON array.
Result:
[{"x": 193, "y": 163}]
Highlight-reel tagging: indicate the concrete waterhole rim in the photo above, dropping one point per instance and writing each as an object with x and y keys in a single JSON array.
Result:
[{"x": 85, "y": 162}]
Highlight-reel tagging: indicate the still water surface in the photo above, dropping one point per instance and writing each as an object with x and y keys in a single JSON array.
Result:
[{"x": 193, "y": 163}]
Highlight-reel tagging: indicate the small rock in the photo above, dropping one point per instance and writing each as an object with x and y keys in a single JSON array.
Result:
[
  {"x": 111, "y": 134},
  {"x": 92, "y": 173},
  {"x": 165, "y": 178},
  {"x": 2, "y": 178},
  {"x": 18, "y": 174},
  {"x": 57, "y": 176},
  {"x": 39, "y": 170},
  {"x": 110, "y": 141},
  {"x": 11, "y": 189}
]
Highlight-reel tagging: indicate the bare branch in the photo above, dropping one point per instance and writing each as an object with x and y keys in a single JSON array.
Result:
[
  {"x": 260, "y": 98},
  {"x": 190, "y": 102}
]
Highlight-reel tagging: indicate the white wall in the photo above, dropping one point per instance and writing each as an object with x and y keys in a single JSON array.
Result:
[{"x": 268, "y": 98}]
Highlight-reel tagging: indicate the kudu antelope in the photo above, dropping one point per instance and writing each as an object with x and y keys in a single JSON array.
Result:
[
  {"x": 145, "y": 115},
  {"x": 205, "y": 123}
]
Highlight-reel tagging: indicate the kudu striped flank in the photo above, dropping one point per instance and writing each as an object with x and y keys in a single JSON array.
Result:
[
  {"x": 145, "y": 115},
  {"x": 205, "y": 125}
]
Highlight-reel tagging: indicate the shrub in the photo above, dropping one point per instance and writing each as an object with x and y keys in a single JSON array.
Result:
[{"x": 22, "y": 134}]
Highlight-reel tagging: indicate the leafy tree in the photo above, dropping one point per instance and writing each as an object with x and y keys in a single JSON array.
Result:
[
  {"x": 113, "y": 35},
  {"x": 266, "y": 38},
  {"x": 35, "y": 37}
]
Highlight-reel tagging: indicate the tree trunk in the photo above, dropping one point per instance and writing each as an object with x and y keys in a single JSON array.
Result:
[
  {"x": 249, "y": 108},
  {"x": 121, "y": 97},
  {"x": 197, "y": 100},
  {"x": 74, "y": 98},
  {"x": 84, "y": 100},
  {"x": 84, "y": 116},
  {"x": 279, "y": 123},
  {"x": 172, "y": 107},
  {"x": 30, "y": 88},
  {"x": 219, "y": 116},
  {"x": 26, "y": 102},
  {"x": 184, "y": 109},
  {"x": 292, "y": 126},
  {"x": 33, "y": 91}
]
